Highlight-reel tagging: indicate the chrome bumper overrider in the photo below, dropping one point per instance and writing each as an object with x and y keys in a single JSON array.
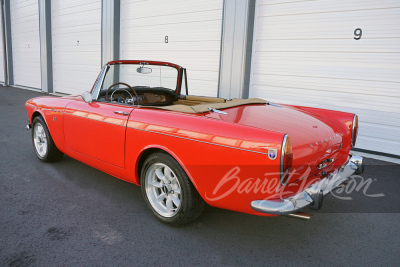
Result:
[{"x": 312, "y": 196}]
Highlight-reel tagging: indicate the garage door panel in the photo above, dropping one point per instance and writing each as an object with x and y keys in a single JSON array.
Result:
[
  {"x": 168, "y": 8},
  {"x": 389, "y": 45},
  {"x": 322, "y": 6},
  {"x": 70, "y": 7},
  {"x": 75, "y": 75},
  {"x": 67, "y": 58},
  {"x": 336, "y": 72},
  {"x": 184, "y": 20},
  {"x": 73, "y": 87},
  {"x": 384, "y": 59},
  {"x": 317, "y": 98},
  {"x": 75, "y": 19},
  {"x": 379, "y": 68},
  {"x": 372, "y": 144},
  {"x": 175, "y": 47},
  {"x": 77, "y": 67},
  {"x": 194, "y": 37},
  {"x": 82, "y": 29},
  {"x": 71, "y": 40},
  {"x": 324, "y": 84},
  {"x": 74, "y": 5},
  {"x": 192, "y": 32},
  {"x": 76, "y": 37},
  {"x": 313, "y": 25},
  {"x": 372, "y": 130},
  {"x": 26, "y": 43}
]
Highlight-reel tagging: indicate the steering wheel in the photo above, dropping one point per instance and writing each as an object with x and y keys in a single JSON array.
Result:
[
  {"x": 107, "y": 98},
  {"x": 120, "y": 89}
]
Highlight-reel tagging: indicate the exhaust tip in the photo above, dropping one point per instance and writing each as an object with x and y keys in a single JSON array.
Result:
[{"x": 300, "y": 215}]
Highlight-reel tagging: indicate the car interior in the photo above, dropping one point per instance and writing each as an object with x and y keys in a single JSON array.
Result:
[{"x": 164, "y": 98}]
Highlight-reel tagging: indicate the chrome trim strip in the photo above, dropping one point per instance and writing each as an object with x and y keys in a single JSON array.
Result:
[
  {"x": 198, "y": 140},
  {"x": 352, "y": 130},
  {"x": 305, "y": 198},
  {"x": 217, "y": 111},
  {"x": 283, "y": 156},
  {"x": 100, "y": 81},
  {"x": 274, "y": 105}
]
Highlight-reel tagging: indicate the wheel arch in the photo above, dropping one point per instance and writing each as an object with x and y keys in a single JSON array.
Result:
[
  {"x": 147, "y": 151},
  {"x": 37, "y": 113}
]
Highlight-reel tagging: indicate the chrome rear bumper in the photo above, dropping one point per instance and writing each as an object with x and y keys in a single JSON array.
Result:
[{"x": 313, "y": 196}]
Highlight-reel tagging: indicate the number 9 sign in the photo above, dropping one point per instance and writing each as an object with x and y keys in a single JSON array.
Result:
[{"x": 357, "y": 34}]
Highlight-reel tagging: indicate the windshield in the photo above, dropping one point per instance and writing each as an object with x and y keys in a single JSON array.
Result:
[{"x": 139, "y": 76}]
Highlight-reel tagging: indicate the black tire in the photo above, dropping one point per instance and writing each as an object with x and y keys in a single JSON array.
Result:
[
  {"x": 191, "y": 203},
  {"x": 52, "y": 154}
]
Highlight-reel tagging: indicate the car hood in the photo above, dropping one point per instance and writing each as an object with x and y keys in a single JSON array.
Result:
[{"x": 313, "y": 141}]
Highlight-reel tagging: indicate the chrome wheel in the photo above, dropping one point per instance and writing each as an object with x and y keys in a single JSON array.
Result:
[
  {"x": 163, "y": 189},
  {"x": 40, "y": 140}
]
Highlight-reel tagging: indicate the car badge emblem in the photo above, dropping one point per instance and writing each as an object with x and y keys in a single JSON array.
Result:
[{"x": 272, "y": 153}]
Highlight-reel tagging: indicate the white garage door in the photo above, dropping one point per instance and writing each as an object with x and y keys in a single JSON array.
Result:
[
  {"x": 26, "y": 43},
  {"x": 2, "y": 63},
  {"x": 305, "y": 53},
  {"x": 193, "y": 29},
  {"x": 76, "y": 32}
]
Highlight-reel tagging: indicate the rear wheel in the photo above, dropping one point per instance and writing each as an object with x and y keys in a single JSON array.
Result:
[
  {"x": 43, "y": 144},
  {"x": 168, "y": 191}
]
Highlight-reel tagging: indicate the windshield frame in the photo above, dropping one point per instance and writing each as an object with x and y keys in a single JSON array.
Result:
[{"x": 100, "y": 80}]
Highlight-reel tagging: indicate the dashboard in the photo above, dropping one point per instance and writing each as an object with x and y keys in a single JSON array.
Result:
[{"x": 146, "y": 96}]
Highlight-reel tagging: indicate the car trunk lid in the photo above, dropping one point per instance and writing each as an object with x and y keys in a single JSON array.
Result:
[{"x": 315, "y": 144}]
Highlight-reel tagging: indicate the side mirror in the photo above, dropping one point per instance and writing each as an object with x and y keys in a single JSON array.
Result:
[{"x": 87, "y": 97}]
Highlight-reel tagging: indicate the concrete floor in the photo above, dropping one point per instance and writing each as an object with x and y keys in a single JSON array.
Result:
[{"x": 67, "y": 213}]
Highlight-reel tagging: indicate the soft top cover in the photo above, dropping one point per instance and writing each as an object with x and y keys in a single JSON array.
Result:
[{"x": 203, "y": 108}]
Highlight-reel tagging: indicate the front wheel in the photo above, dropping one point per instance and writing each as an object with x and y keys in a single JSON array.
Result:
[
  {"x": 43, "y": 144},
  {"x": 168, "y": 191}
]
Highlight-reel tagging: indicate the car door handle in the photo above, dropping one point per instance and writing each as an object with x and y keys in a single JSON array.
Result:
[{"x": 121, "y": 112}]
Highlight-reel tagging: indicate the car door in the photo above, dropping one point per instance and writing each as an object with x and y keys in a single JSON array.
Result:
[{"x": 97, "y": 130}]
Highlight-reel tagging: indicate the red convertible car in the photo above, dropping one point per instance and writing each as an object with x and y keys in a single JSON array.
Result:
[{"x": 139, "y": 124}]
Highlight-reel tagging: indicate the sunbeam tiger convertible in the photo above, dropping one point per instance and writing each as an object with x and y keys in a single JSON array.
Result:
[{"x": 139, "y": 124}]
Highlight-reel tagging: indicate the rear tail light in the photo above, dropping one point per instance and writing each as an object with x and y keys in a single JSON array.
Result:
[
  {"x": 354, "y": 131},
  {"x": 286, "y": 159}
]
